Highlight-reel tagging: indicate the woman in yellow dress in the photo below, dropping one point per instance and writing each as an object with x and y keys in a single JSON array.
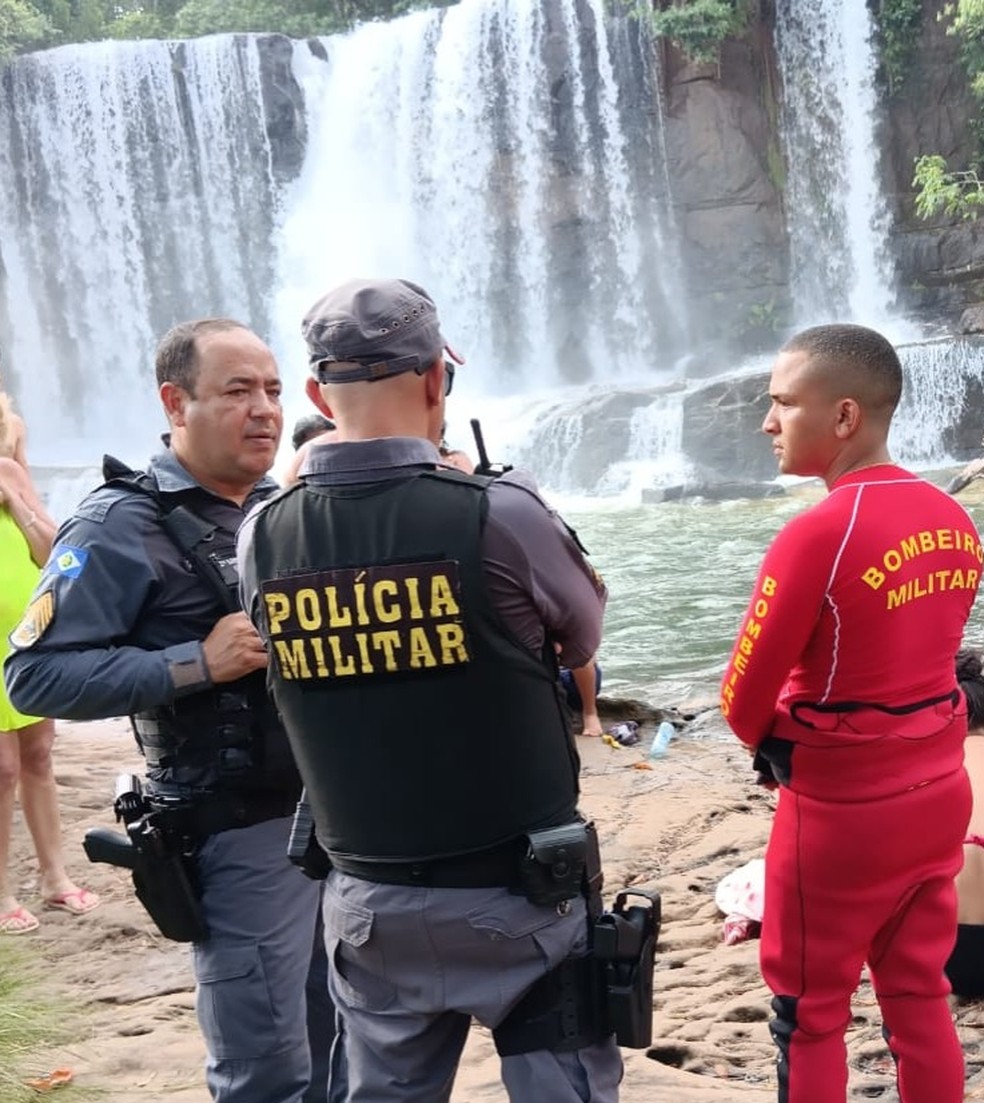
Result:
[{"x": 26, "y": 534}]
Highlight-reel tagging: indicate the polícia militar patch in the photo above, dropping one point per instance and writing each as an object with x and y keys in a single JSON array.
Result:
[
  {"x": 35, "y": 621},
  {"x": 353, "y": 622},
  {"x": 67, "y": 561}
]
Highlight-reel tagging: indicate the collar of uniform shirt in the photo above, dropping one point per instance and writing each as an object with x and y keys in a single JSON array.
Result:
[
  {"x": 173, "y": 477},
  {"x": 361, "y": 461}
]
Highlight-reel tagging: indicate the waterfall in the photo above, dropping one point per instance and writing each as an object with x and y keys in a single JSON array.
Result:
[
  {"x": 837, "y": 217},
  {"x": 137, "y": 189},
  {"x": 944, "y": 379},
  {"x": 505, "y": 155},
  {"x": 509, "y": 155}
]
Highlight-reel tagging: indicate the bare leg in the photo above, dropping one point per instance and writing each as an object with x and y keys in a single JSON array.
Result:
[
  {"x": 39, "y": 800},
  {"x": 9, "y": 769}
]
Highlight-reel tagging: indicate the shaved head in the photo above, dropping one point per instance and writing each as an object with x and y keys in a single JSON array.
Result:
[{"x": 852, "y": 362}]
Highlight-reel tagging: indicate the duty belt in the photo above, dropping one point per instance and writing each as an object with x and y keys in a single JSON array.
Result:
[
  {"x": 205, "y": 815},
  {"x": 497, "y": 867}
]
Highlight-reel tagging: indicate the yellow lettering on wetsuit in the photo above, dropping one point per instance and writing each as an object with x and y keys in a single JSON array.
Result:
[
  {"x": 345, "y": 624},
  {"x": 751, "y": 631},
  {"x": 933, "y": 583},
  {"x": 914, "y": 545}
]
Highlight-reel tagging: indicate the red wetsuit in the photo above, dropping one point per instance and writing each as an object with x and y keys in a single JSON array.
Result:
[{"x": 843, "y": 675}]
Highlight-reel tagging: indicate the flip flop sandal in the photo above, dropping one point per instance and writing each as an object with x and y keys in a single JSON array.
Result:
[
  {"x": 78, "y": 901},
  {"x": 18, "y": 921}
]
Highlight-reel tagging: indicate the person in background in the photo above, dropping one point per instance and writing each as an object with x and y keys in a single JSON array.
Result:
[
  {"x": 965, "y": 966},
  {"x": 131, "y": 617},
  {"x": 412, "y": 614},
  {"x": 308, "y": 430},
  {"x": 26, "y": 532},
  {"x": 582, "y": 687},
  {"x": 310, "y": 427},
  {"x": 454, "y": 457},
  {"x": 842, "y": 683}
]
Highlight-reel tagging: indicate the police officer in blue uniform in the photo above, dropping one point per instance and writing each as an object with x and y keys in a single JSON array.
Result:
[
  {"x": 128, "y": 619},
  {"x": 414, "y": 614}
]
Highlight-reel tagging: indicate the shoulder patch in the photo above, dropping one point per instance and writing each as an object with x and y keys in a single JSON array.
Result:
[
  {"x": 35, "y": 622},
  {"x": 67, "y": 560}
]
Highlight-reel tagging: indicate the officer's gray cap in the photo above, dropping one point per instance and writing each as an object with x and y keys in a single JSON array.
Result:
[{"x": 372, "y": 329}]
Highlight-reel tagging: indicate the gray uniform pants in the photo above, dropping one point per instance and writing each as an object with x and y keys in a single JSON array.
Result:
[
  {"x": 252, "y": 970},
  {"x": 410, "y": 967}
]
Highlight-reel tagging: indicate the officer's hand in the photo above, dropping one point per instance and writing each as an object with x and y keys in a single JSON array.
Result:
[{"x": 233, "y": 649}]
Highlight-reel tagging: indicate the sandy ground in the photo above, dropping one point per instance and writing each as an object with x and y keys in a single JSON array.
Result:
[{"x": 678, "y": 827}]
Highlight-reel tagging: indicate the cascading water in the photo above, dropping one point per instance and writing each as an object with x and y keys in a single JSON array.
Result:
[
  {"x": 137, "y": 189},
  {"x": 938, "y": 377},
  {"x": 835, "y": 210},
  {"x": 501, "y": 153},
  {"x": 508, "y": 154}
]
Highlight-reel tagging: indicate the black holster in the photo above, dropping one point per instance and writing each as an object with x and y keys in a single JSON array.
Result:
[
  {"x": 160, "y": 860},
  {"x": 563, "y": 1011},
  {"x": 566, "y": 1009},
  {"x": 625, "y": 952},
  {"x": 303, "y": 848},
  {"x": 609, "y": 991}
]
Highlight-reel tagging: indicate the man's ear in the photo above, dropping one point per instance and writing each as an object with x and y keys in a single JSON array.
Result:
[
  {"x": 312, "y": 388},
  {"x": 174, "y": 400},
  {"x": 434, "y": 382},
  {"x": 848, "y": 418}
]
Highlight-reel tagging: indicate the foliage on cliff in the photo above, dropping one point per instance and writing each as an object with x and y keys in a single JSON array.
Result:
[
  {"x": 35, "y": 24},
  {"x": 958, "y": 192},
  {"x": 899, "y": 23},
  {"x": 21, "y": 24},
  {"x": 697, "y": 27}
]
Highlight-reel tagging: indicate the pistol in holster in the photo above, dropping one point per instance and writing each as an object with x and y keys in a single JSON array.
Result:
[
  {"x": 624, "y": 948},
  {"x": 303, "y": 848},
  {"x": 158, "y": 856},
  {"x": 566, "y": 1008},
  {"x": 609, "y": 990}
]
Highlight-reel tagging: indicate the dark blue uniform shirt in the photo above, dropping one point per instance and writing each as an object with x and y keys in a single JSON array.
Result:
[{"x": 128, "y": 613}]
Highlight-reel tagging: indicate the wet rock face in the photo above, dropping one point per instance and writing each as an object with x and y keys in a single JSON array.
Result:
[
  {"x": 940, "y": 261},
  {"x": 733, "y": 234},
  {"x": 972, "y": 319},
  {"x": 721, "y": 424},
  {"x": 726, "y": 179},
  {"x": 283, "y": 107}
]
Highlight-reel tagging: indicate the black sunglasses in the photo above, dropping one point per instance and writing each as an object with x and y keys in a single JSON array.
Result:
[{"x": 448, "y": 377}]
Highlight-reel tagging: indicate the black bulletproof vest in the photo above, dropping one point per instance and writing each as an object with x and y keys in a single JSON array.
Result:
[
  {"x": 227, "y": 738},
  {"x": 421, "y": 726}
]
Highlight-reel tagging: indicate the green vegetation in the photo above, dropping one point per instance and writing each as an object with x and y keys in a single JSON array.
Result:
[
  {"x": 941, "y": 190},
  {"x": 35, "y": 24},
  {"x": 899, "y": 23},
  {"x": 966, "y": 18},
  {"x": 763, "y": 320},
  {"x": 29, "y": 1022},
  {"x": 21, "y": 26},
  {"x": 697, "y": 27}
]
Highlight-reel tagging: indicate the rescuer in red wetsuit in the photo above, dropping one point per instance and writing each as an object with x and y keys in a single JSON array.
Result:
[{"x": 842, "y": 681}]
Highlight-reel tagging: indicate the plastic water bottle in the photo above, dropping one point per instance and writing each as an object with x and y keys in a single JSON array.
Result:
[{"x": 661, "y": 740}]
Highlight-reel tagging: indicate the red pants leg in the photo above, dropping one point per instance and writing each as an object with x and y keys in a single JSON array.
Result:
[
  {"x": 906, "y": 964},
  {"x": 852, "y": 881}
]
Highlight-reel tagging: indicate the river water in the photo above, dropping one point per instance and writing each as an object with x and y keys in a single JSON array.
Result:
[{"x": 679, "y": 576}]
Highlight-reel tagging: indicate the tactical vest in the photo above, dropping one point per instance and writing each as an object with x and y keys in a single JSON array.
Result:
[
  {"x": 226, "y": 738},
  {"x": 421, "y": 726}
]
